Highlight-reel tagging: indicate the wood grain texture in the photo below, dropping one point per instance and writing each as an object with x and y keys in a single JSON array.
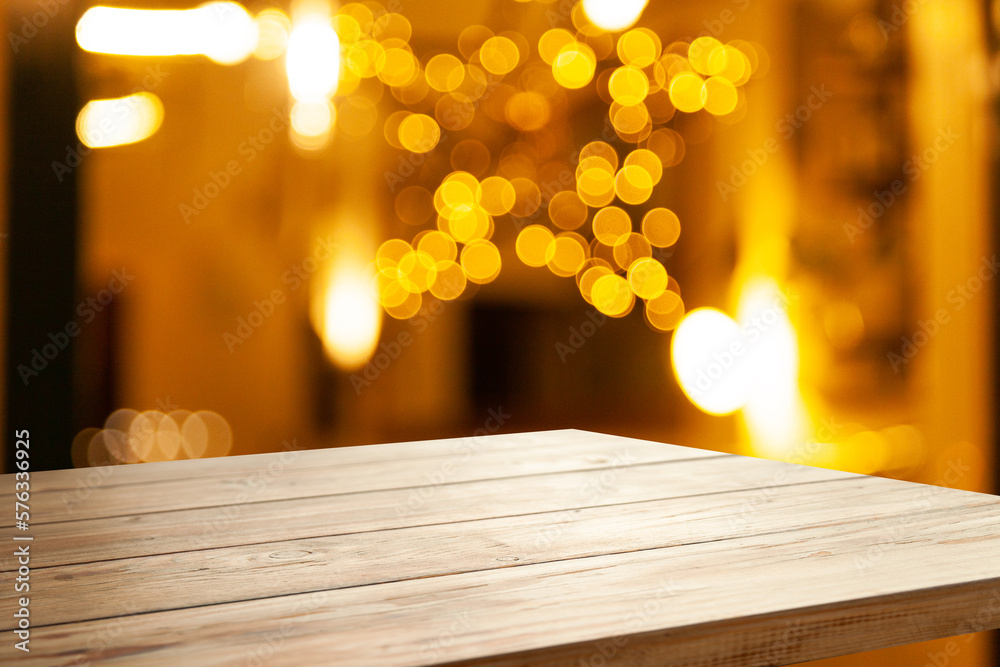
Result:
[{"x": 594, "y": 550}]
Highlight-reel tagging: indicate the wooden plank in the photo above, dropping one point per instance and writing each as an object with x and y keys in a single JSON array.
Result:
[
  {"x": 274, "y": 481},
  {"x": 741, "y": 593},
  {"x": 89, "y": 591},
  {"x": 254, "y": 522},
  {"x": 158, "y": 473}
]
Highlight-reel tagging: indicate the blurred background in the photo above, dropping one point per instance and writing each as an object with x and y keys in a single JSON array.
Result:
[{"x": 763, "y": 228}]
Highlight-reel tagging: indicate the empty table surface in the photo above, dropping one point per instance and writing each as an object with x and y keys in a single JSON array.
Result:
[{"x": 552, "y": 548}]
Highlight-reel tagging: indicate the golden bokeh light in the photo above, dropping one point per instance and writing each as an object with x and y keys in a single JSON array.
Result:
[
  {"x": 648, "y": 161},
  {"x": 613, "y": 15},
  {"x": 611, "y": 224},
  {"x": 633, "y": 184},
  {"x": 419, "y": 133},
  {"x": 668, "y": 145},
  {"x": 498, "y": 195},
  {"x": 273, "y": 30},
  {"x": 707, "y": 55},
  {"x": 449, "y": 281},
  {"x": 574, "y": 65},
  {"x": 481, "y": 261},
  {"x": 398, "y": 67},
  {"x": 407, "y": 308},
  {"x": 661, "y": 227},
  {"x": 664, "y": 312},
  {"x": 392, "y": 26},
  {"x": 596, "y": 185},
  {"x": 629, "y": 248},
  {"x": 527, "y": 111},
  {"x": 567, "y": 210},
  {"x": 499, "y": 55},
  {"x": 647, "y": 278},
  {"x": 587, "y": 275},
  {"x": 639, "y": 47},
  {"x": 454, "y": 112},
  {"x": 566, "y": 254},
  {"x": 628, "y": 85},
  {"x": 551, "y": 43},
  {"x": 119, "y": 121},
  {"x": 720, "y": 96},
  {"x": 602, "y": 150},
  {"x": 528, "y": 198},
  {"x": 612, "y": 296},
  {"x": 416, "y": 270},
  {"x": 687, "y": 92},
  {"x": 444, "y": 72},
  {"x": 472, "y": 39}
]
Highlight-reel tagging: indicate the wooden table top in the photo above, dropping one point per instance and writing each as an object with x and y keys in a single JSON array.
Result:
[{"x": 552, "y": 548}]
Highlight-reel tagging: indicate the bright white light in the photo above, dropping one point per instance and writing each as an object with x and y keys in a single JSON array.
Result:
[
  {"x": 223, "y": 31},
  {"x": 614, "y": 15},
  {"x": 351, "y": 318},
  {"x": 119, "y": 121},
  {"x": 712, "y": 361},
  {"x": 723, "y": 364},
  {"x": 775, "y": 413},
  {"x": 312, "y": 59}
]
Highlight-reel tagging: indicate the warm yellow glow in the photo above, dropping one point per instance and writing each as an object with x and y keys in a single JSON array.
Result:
[
  {"x": 499, "y": 55},
  {"x": 613, "y": 15},
  {"x": 119, "y": 121},
  {"x": 610, "y": 224},
  {"x": 661, "y": 227},
  {"x": 647, "y": 278},
  {"x": 273, "y": 28},
  {"x": 312, "y": 59},
  {"x": 312, "y": 119},
  {"x": 711, "y": 362},
  {"x": 775, "y": 414},
  {"x": 611, "y": 295},
  {"x": 223, "y": 31},
  {"x": 532, "y": 244},
  {"x": 566, "y": 254},
  {"x": 419, "y": 133},
  {"x": 574, "y": 65},
  {"x": 351, "y": 317},
  {"x": 723, "y": 366}
]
